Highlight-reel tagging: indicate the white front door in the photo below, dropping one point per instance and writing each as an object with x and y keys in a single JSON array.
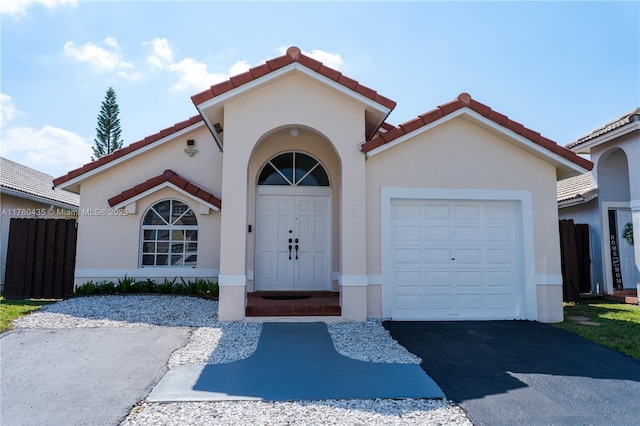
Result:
[{"x": 293, "y": 239}]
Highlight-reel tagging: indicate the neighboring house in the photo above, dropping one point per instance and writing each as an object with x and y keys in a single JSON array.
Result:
[
  {"x": 289, "y": 178},
  {"x": 28, "y": 193},
  {"x": 608, "y": 199}
]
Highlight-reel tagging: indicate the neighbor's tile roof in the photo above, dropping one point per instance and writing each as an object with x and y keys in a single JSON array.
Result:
[
  {"x": 292, "y": 55},
  {"x": 32, "y": 182},
  {"x": 615, "y": 124},
  {"x": 575, "y": 187},
  {"x": 464, "y": 100},
  {"x": 167, "y": 176},
  {"x": 128, "y": 149}
]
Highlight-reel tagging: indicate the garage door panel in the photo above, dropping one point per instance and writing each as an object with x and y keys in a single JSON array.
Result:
[
  {"x": 406, "y": 302},
  {"x": 467, "y": 256},
  {"x": 498, "y": 301},
  {"x": 437, "y": 256},
  {"x": 499, "y": 278},
  {"x": 499, "y": 256},
  {"x": 469, "y": 301},
  {"x": 438, "y": 279},
  {"x": 464, "y": 263},
  {"x": 499, "y": 234},
  {"x": 468, "y": 279},
  {"x": 439, "y": 302},
  {"x": 407, "y": 255},
  {"x": 436, "y": 211},
  {"x": 408, "y": 279},
  {"x": 404, "y": 210},
  {"x": 466, "y": 234},
  {"x": 466, "y": 211},
  {"x": 407, "y": 233},
  {"x": 435, "y": 234}
]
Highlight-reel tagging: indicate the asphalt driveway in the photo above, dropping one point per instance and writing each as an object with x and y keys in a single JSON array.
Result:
[
  {"x": 525, "y": 373},
  {"x": 81, "y": 376}
]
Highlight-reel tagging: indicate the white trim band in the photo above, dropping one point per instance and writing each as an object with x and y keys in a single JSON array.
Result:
[
  {"x": 232, "y": 280},
  {"x": 146, "y": 273}
]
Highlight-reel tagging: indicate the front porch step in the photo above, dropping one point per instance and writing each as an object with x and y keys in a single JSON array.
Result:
[
  {"x": 629, "y": 297},
  {"x": 293, "y": 303}
]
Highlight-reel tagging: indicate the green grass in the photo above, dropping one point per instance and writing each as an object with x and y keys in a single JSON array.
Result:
[
  {"x": 619, "y": 327},
  {"x": 12, "y": 309}
]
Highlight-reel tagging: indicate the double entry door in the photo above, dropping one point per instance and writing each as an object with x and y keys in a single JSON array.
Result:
[{"x": 293, "y": 240}]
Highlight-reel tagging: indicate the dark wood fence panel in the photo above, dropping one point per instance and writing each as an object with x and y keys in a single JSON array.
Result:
[
  {"x": 41, "y": 257},
  {"x": 576, "y": 260}
]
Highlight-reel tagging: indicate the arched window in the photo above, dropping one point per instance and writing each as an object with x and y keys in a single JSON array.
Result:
[
  {"x": 169, "y": 235},
  {"x": 293, "y": 169}
]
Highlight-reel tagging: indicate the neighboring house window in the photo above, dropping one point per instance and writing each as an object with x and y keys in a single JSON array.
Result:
[
  {"x": 294, "y": 169},
  {"x": 169, "y": 235}
]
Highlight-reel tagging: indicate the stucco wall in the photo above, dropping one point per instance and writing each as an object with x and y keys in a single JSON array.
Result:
[
  {"x": 459, "y": 154},
  {"x": 296, "y": 100},
  {"x": 112, "y": 242}
]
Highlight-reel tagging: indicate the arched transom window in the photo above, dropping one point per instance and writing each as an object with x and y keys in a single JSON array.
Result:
[
  {"x": 293, "y": 169},
  {"x": 169, "y": 235}
]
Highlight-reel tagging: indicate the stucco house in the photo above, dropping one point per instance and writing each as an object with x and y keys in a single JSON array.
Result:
[
  {"x": 608, "y": 199},
  {"x": 29, "y": 193},
  {"x": 289, "y": 178}
]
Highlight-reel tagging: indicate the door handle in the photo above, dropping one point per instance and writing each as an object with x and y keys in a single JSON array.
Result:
[
  {"x": 290, "y": 251},
  {"x": 296, "y": 250}
]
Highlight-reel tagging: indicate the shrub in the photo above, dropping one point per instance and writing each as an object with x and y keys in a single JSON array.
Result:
[{"x": 198, "y": 287}]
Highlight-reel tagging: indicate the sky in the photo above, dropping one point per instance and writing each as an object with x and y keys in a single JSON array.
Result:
[{"x": 560, "y": 68}]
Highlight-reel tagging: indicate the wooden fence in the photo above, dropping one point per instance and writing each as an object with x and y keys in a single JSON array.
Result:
[
  {"x": 576, "y": 260},
  {"x": 41, "y": 257}
]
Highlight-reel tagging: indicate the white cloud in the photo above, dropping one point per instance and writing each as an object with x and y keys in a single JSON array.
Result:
[
  {"x": 102, "y": 57},
  {"x": 161, "y": 54},
  {"x": 194, "y": 75},
  {"x": 7, "y": 110},
  {"x": 18, "y": 8},
  {"x": 239, "y": 67},
  {"x": 332, "y": 60},
  {"x": 51, "y": 150}
]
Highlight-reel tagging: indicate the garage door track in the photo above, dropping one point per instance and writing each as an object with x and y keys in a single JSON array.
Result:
[{"x": 525, "y": 373}]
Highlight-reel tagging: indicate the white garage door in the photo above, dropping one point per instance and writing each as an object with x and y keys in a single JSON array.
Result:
[{"x": 456, "y": 260}]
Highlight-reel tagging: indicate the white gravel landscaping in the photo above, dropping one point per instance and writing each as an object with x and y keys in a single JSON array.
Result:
[{"x": 213, "y": 342}]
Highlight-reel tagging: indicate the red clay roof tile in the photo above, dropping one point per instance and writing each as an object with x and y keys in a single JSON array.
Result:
[
  {"x": 166, "y": 176},
  {"x": 126, "y": 150},
  {"x": 465, "y": 100},
  {"x": 292, "y": 55},
  {"x": 240, "y": 79}
]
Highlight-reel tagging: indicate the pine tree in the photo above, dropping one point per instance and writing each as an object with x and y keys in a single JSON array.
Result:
[{"x": 108, "y": 131}]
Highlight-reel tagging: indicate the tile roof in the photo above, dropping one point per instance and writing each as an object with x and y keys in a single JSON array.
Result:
[
  {"x": 578, "y": 187},
  {"x": 617, "y": 123},
  {"x": 166, "y": 176},
  {"x": 292, "y": 55},
  {"x": 464, "y": 100},
  {"x": 128, "y": 149},
  {"x": 28, "y": 181}
]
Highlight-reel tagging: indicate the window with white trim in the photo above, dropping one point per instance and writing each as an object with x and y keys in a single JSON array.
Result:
[
  {"x": 293, "y": 169},
  {"x": 169, "y": 235}
]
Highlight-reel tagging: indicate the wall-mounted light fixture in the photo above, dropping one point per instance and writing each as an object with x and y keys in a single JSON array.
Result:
[{"x": 190, "y": 150}]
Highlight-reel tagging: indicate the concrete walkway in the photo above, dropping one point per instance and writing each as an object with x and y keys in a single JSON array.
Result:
[
  {"x": 81, "y": 376},
  {"x": 294, "y": 361},
  {"x": 525, "y": 373}
]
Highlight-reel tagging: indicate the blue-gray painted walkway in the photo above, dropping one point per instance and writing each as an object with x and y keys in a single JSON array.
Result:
[{"x": 294, "y": 361}]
